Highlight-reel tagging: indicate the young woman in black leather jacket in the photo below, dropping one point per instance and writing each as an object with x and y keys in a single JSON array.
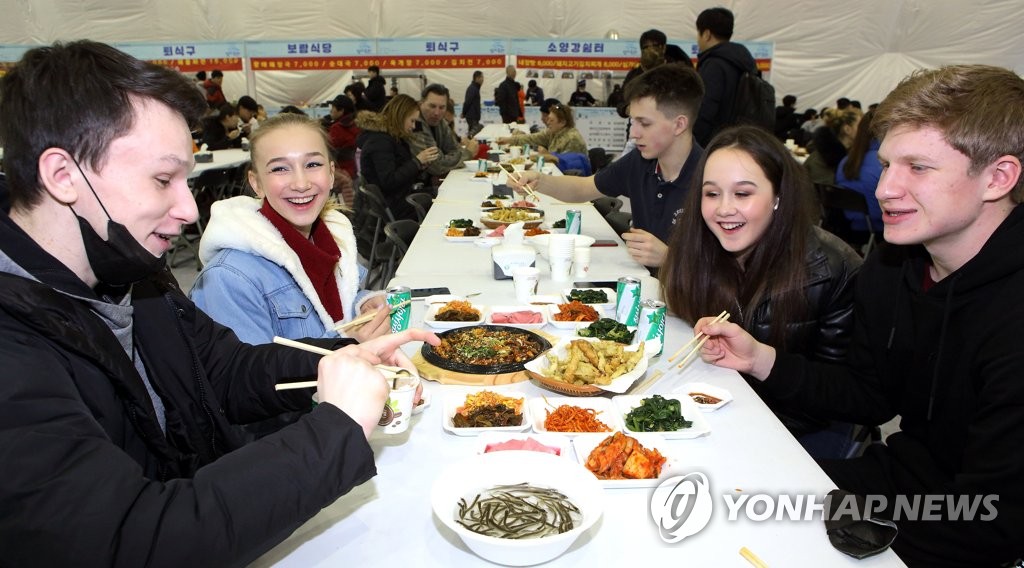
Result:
[{"x": 746, "y": 243}]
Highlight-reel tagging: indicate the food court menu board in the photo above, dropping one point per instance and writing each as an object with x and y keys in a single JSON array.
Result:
[{"x": 602, "y": 127}]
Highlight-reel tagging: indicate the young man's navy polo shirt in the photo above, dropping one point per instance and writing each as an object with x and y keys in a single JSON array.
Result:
[{"x": 655, "y": 202}]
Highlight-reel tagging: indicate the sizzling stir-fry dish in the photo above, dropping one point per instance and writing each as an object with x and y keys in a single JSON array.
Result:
[{"x": 480, "y": 346}]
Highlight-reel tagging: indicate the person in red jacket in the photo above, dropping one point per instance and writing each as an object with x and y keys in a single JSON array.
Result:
[{"x": 343, "y": 133}]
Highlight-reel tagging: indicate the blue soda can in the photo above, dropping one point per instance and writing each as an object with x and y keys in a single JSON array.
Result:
[
  {"x": 652, "y": 326},
  {"x": 573, "y": 221},
  {"x": 399, "y": 317},
  {"x": 627, "y": 301},
  {"x": 481, "y": 165}
]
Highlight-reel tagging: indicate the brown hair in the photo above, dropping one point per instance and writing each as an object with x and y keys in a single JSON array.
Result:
[
  {"x": 701, "y": 278},
  {"x": 564, "y": 113},
  {"x": 979, "y": 109},
  {"x": 676, "y": 89},
  {"x": 394, "y": 113}
]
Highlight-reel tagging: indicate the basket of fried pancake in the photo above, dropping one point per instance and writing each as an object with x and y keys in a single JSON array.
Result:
[{"x": 586, "y": 367}]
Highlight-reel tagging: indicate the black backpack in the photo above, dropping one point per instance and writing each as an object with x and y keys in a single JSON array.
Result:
[{"x": 754, "y": 102}]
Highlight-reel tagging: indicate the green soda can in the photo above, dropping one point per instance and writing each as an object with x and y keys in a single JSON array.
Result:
[
  {"x": 652, "y": 326},
  {"x": 573, "y": 221},
  {"x": 399, "y": 317},
  {"x": 627, "y": 301}
]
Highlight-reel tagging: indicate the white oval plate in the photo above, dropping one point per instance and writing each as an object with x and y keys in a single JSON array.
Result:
[
  {"x": 455, "y": 400},
  {"x": 432, "y": 310},
  {"x": 724, "y": 396},
  {"x": 541, "y": 405},
  {"x": 505, "y": 309},
  {"x": 689, "y": 409}
]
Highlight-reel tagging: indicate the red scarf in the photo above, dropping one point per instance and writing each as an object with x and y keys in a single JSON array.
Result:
[{"x": 318, "y": 255}]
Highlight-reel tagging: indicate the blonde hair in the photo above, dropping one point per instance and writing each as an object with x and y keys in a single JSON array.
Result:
[{"x": 285, "y": 120}]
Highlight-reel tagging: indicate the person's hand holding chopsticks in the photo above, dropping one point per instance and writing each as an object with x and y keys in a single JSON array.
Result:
[
  {"x": 348, "y": 379},
  {"x": 378, "y": 325},
  {"x": 525, "y": 182},
  {"x": 729, "y": 345}
]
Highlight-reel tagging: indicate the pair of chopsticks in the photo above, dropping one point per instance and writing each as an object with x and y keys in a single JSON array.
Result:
[
  {"x": 700, "y": 339},
  {"x": 367, "y": 317},
  {"x": 512, "y": 174},
  {"x": 389, "y": 372},
  {"x": 752, "y": 558}
]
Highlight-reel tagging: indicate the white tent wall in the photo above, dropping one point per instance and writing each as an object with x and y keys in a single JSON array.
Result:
[{"x": 823, "y": 49}]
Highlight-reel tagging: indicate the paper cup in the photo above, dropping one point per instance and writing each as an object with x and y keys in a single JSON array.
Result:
[
  {"x": 560, "y": 268},
  {"x": 525, "y": 279},
  {"x": 515, "y": 152},
  {"x": 398, "y": 410},
  {"x": 581, "y": 261}
]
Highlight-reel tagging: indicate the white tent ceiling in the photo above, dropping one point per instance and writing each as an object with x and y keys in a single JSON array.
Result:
[{"x": 823, "y": 49}]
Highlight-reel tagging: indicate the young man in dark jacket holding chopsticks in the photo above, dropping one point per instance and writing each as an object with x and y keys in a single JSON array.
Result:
[
  {"x": 939, "y": 321},
  {"x": 118, "y": 398}
]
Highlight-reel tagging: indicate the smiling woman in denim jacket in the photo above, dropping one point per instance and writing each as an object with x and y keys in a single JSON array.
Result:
[{"x": 285, "y": 263}]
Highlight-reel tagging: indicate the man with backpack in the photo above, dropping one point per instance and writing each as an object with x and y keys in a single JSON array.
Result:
[{"x": 721, "y": 63}]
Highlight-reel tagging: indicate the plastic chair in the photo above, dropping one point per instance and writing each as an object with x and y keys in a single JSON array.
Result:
[
  {"x": 835, "y": 200},
  {"x": 421, "y": 202},
  {"x": 399, "y": 235},
  {"x": 606, "y": 205}
]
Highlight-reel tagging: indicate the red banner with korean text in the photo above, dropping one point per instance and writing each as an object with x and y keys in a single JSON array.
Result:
[
  {"x": 585, "y": 63},
  {"x": 383, "y": 61}
]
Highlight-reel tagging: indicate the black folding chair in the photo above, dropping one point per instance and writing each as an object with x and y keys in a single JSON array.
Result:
[
  {"x": 379, "y": 214},
  {"x": 399, "y": 235},
  {"x": 835, "y": 201},
  {"x": 606, "y": 205},
  {"x": 421, "y": 202}
]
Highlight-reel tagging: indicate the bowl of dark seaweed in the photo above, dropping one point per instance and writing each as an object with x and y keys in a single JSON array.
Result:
[{"x": 517, "y": 508}]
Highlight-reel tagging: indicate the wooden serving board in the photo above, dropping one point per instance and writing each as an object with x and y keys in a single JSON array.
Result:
[{"x": 432, "y": 372}]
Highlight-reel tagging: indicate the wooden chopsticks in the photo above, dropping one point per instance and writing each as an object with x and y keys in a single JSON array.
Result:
[
  {"x": 512, "y": 174},
  {"x": 388, "y": 371},
  {"x": 700, "y": 339},
  {"x": 367, "y": 317}
]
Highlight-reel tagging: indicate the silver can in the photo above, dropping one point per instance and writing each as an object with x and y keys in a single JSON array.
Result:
[
  {"x": 652, "y": 326},
  {"x": 627, "y": 301}
]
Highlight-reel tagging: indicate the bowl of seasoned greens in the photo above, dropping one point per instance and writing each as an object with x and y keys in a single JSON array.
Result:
[
  {"x": 607, "y": 328},
  {"x": 517, "y": 508}
]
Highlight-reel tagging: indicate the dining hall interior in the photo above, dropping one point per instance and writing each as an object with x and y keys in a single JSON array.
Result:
[{"x": 325, "y": 135}]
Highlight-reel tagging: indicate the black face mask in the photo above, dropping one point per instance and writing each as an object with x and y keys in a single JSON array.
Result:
[{"x": 120, "y": 259}]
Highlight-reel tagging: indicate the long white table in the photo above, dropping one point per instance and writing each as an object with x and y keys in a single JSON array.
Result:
[
  {"x": 388, "y": 521},
  {"x": 495, "y": 131},
  {"x": 460, "y": 198},
  {"x": 222, "y": 159}
]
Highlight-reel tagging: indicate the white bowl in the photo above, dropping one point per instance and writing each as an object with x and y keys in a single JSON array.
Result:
[
  {"x": 540, "y": 242},
  {"x": 465, "y": 479}
]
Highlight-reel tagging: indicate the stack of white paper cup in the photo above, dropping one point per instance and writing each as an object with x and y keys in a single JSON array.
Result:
[
  {"x": 581, "y": 261},
  {"x": 560, "y": 254}
]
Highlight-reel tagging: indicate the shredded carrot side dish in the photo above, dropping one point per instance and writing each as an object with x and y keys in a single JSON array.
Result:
[
  {"x": 576, "y": 311},
  {"x": 568, "y": 418}
]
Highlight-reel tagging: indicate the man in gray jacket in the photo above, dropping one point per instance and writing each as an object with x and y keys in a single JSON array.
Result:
[{"x": 433, "y": 130}]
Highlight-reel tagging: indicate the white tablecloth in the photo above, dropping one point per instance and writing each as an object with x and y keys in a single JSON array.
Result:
[
  {"x": 388, "y": 521},
  {"x": 495, "y": 131},
  {"x": 222, "y": 159}
]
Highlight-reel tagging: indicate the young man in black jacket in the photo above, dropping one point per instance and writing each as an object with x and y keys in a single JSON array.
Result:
[
  {"x": 939, "y": 318},
  {"x": 119, "y": 398},
  {"x": 720, "y": 64}
]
